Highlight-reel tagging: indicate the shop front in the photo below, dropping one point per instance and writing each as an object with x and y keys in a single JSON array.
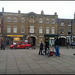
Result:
[
  {"x": 10, "y": 39},
  {"x": 50, "y": 38},
  {"x": 63, "y": 40}
]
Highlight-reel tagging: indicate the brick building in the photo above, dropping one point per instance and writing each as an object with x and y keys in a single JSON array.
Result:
[{"x": 34, "y": 27}]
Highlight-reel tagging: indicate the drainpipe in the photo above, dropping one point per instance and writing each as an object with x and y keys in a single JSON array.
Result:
[
  {"x": 2, "y": 23},
  {"x": 71, "y": 32}
]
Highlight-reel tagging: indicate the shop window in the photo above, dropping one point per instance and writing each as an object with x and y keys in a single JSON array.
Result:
[
  {"x": 47, "y": 30},
  {"x": 8, "y": 29},
  {"x": 16, "y": 39},
  {"x": 8, "y": 19}
]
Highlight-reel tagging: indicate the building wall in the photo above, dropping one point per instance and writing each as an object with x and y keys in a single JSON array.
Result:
[{"x": 27, "y": 24}]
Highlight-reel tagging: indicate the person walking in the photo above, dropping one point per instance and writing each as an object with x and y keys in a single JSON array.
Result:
[
  {"x": 41, "y": 48},
  {"x": 2, "y": 46},
  {"x": 57, "y": 43},
  {"x": 68, "y": 44},
  {"x": 46, "y": 47}
]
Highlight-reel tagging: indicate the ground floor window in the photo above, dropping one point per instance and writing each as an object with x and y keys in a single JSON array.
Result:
[{"x": 51, "y": 41}]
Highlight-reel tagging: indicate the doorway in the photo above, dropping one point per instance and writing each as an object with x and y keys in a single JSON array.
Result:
[
  {"x": 32, "y": 41},
  {"x": 62, "y": 40}
]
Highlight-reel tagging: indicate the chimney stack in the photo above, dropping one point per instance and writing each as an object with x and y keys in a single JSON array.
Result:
[
  {"x": 74, "y": 15},
  {"x": 42, "y": 12},
  {"x": 55, "y": 13},
  {"x": 19, "y": 11},
  {"x": 2, "y": 10}
]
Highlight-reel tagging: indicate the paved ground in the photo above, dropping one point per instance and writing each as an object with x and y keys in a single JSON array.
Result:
[{"x": 23, "y": 61}]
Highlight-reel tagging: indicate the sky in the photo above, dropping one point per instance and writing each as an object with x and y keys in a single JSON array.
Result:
[{"x": 64, "y": 9}]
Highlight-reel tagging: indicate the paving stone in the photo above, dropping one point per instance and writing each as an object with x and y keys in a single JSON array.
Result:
[{"x": 23, "y": 61}]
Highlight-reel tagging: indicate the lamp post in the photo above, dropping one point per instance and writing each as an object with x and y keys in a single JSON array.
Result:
[{"x": 71, "y": 32}]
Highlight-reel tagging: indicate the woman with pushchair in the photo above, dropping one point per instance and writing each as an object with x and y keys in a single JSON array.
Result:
[{"x": 41, "y": 48}]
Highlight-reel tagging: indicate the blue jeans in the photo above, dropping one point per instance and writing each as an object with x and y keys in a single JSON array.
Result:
[{"x": 57, "y": 50}]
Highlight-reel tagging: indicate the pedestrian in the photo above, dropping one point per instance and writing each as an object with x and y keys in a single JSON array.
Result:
[
  {"x": 57, "y": 43},
  {"x": 2, "y": 46},
  {"x": 46, "y": 46},
  {"x": 41, "y": 48},
  {"x": 68, "y": 44}
]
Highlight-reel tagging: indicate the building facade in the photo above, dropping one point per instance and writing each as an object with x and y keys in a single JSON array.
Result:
[{"x": 34, "y": 28}]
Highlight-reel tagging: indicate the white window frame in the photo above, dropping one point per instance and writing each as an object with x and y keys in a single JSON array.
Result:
[
  {"x": 47, "y": 30},
  {"x": 8, "y": 19},
  {"x": 22, "y": 31},
  {"x": 14, "y": 19},
  {"x": 62, "y": 23},
  {"x": 8, "y": 29},
  {"x": 41, "y": 20},
  {"x": 14, "y": 31},
  {"x": 31, "y": 29},
  {"x": 22, "y": 20},
  {"x": 53, "y": 30},
  {"x": 40, "y": 30}
]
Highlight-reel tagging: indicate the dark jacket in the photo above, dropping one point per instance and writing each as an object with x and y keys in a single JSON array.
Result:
[
  {"x": 57, "y": 42},
  {"x": 46, "y": 44},
  {"x": 41, "y": 46}
]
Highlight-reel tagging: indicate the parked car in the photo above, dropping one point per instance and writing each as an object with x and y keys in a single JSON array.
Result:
[
  {"x": 73, "y": 44},
  {"x": 20, "y": 45}
]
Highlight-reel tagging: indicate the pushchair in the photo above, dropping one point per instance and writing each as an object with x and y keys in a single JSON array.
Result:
[{"x": 51, "y": 51}]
